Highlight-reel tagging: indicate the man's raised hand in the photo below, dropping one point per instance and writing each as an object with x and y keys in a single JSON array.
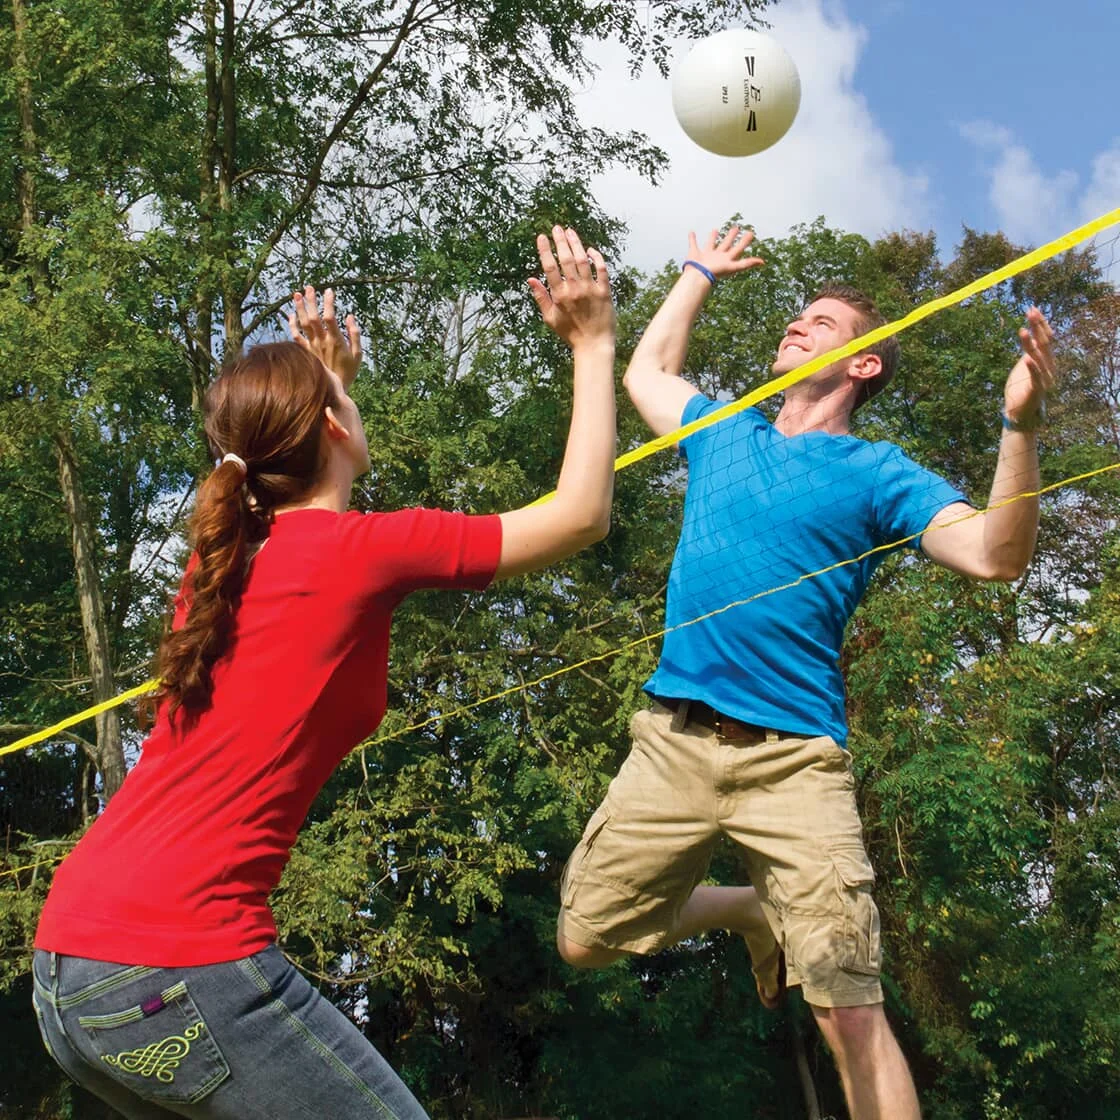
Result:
[
  {"x": 723, "y": 256},
  {"x": 1034, "y": 373}
]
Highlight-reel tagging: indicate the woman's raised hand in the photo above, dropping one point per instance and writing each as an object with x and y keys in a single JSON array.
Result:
[
  {"x": 575, "y": 299},
  {"x": 322, "y": 336}
]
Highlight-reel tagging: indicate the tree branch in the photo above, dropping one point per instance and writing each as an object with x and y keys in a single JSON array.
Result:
[
  {"x": 69, "y": 736},
  {"x": 339, "y": 284},
  {"x": 325, "y": 149}
]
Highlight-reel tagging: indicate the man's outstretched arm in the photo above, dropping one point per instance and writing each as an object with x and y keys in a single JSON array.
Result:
[
  {"x": 653, "y": 377},
  {"x": 999, "y": 543}
]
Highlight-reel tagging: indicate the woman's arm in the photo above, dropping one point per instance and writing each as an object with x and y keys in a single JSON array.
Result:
[{"x": 576, "y": 304}]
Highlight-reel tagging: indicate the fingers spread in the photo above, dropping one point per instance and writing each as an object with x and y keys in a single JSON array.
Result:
[
  {"x": 580, "y": 262},
  {"x": 540, "y": 294},
  {"x": 295, "y": 332},
  {"x": 565, "y": 261},
  {"x": 307, "y": 311},
  {"x": 728, "y": 241}
]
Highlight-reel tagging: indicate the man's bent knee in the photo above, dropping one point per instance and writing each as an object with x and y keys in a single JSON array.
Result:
[{"x": 585, "y": 956}]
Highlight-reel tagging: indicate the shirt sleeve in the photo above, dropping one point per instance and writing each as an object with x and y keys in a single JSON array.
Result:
[
  {"x": 730, "y": 428},
  {"x": 412, "y": 549},
  {"x": 908, "y": 497},
  {"x": 697, "y": 406}
]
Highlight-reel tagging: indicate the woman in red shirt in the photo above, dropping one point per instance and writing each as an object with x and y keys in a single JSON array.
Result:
[{"x": 158, "y": 982}]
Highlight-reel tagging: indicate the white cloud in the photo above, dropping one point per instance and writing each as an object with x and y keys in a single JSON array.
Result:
[
  {"x": 1032, "y": 206},
  {"x": 1027, "y": 202},
  {"x": 834, "y": 161},
  {"x": 1103, "y": 192},
  {"x": 1101, "y": 196}
]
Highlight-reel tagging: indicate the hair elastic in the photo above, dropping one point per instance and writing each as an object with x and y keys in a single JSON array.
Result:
[{"x": 229, "y": 457}]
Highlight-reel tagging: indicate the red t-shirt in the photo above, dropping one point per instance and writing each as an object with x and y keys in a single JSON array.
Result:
[{"x": 178, "y": 869}]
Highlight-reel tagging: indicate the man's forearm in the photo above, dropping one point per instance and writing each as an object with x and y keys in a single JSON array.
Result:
[
  {"x": 664, "y": 344},
  {"x": 1011, "y": 522}
]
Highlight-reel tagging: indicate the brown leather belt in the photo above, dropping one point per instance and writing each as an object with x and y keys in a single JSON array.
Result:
[{"x": 733, "y": 730}]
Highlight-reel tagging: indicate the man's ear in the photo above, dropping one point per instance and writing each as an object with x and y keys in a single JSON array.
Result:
[
  {"x": 864, "y": 367},
  {"x": 334, "y": 427}
]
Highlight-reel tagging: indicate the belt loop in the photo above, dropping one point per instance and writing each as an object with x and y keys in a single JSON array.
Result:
[
  {"x": 680, "y": 716},
  {"x": 54, "y": 966},
  {"x": 772, "y": 736}
]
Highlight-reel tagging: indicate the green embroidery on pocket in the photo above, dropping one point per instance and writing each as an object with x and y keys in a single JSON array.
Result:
[{"x": 159, "y": 1060}]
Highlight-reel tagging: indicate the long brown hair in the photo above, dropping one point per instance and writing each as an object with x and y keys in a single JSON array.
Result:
[{"x": 267, "y": 408}]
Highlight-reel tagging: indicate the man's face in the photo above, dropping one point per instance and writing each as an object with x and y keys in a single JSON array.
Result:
[{"x": 822, "y": 326}]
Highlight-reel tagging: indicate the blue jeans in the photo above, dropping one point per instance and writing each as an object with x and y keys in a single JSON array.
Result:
[{"x": 245, "y": 1039}]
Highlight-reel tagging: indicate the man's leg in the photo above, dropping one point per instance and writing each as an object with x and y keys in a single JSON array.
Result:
[
  {"x": 586, "y": 956},
  {"x": 732, "y": 908},
  {"x": 630, "y": 885},
  {"x": 736, "y": 909},
  {"x": 875, "y": 1076}
]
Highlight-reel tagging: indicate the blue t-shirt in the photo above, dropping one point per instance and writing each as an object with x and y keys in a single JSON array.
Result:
[{"x": 762, "y": 510}]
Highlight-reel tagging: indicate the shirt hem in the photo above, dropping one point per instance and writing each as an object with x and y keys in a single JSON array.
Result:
[{"x": 120, "y": 943}]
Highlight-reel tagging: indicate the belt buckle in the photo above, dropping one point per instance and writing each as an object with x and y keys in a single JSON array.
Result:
[{"x": 718, "y": 721}]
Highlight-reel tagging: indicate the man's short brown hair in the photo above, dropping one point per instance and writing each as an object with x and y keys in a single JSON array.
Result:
[{"x": 887, "y": 351}]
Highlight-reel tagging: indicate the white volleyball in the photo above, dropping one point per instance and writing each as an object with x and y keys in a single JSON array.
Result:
[{"x": 736, "y": 92}]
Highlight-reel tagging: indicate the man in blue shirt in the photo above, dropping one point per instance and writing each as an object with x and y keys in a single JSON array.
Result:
[{"x": 746, "y": 737}]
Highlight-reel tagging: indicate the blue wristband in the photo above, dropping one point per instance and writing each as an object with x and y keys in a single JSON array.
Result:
[
  {"x": 705, "y": 272},
  {"x": 1019, "y": 426}
]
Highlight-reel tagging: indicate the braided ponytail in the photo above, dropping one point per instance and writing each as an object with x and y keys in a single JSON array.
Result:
[{"x": 264, "y": 415}]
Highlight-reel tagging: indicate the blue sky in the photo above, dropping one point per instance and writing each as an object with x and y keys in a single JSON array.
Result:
[{"x": 996, "y": 114}]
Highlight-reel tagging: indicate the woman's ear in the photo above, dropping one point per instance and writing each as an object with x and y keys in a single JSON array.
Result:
[{"x": 334, "y": 427}]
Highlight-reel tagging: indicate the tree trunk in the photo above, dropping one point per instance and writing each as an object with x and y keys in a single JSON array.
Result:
[
  {"x": 27, "y": 141},
  {"x": 805, "y": 1075},
  {"x": 110, "y": 749},
  {"x": 227, "y": 170},
  {"x": 202, "y": 360}
]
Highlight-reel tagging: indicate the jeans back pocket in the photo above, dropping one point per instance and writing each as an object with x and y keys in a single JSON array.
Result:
[{"x": 160, "y": 1048}]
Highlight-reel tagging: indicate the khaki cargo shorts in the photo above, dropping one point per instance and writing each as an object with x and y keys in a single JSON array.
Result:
[{"x": 790, "y": 806}]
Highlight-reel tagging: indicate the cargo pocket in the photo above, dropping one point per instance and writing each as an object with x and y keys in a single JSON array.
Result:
[
  {"x": 860, "y": 948},
  {"x": 160, "y": 1048},
  {"x": 576, "y": 868}
]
